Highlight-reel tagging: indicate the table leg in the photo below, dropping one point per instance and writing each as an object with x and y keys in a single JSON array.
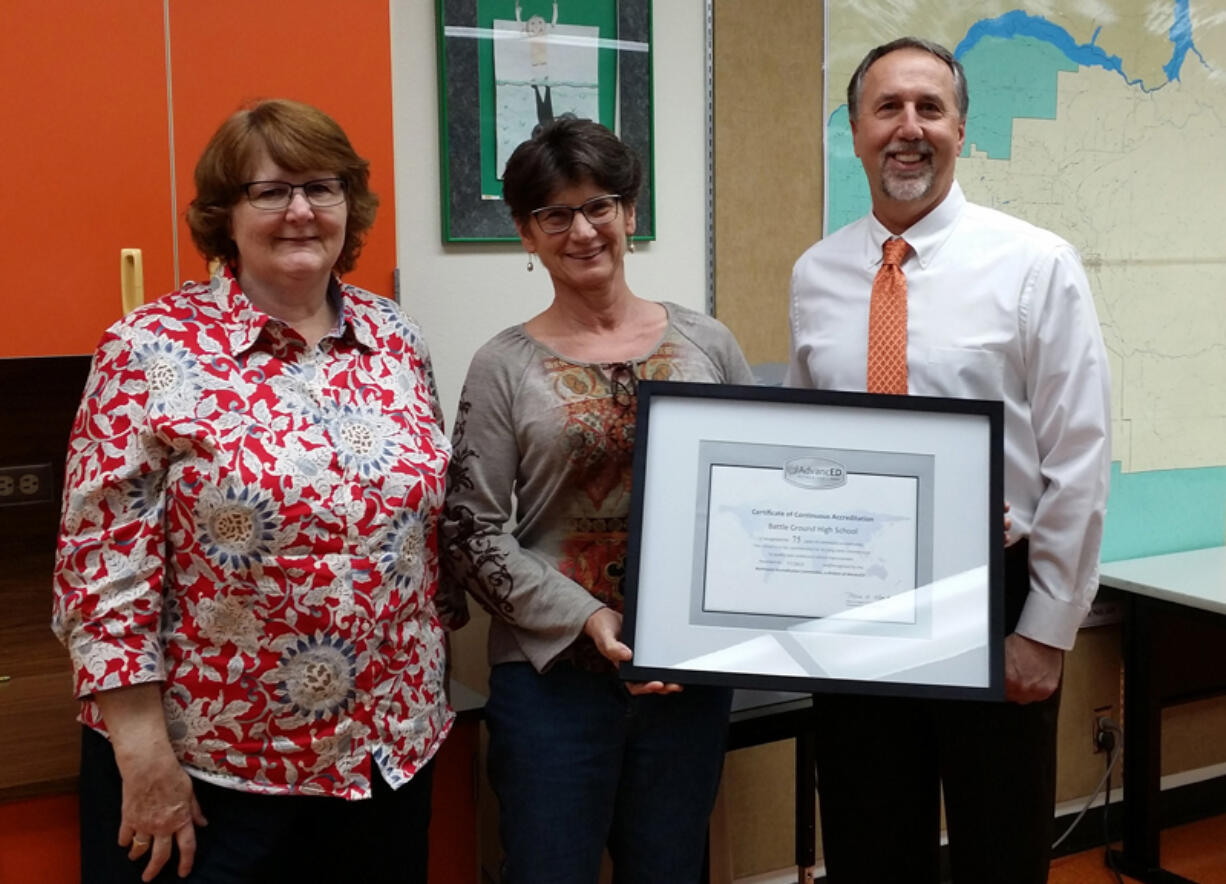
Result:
[
  {"x": 806, "y": 814},
  {"x": 1142, "y": 750}
]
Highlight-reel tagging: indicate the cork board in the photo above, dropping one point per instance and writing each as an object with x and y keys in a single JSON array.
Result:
[{"x": 767, "y": 104}]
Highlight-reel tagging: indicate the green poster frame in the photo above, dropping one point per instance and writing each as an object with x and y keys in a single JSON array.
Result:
[{"x": 472, "y": 208}]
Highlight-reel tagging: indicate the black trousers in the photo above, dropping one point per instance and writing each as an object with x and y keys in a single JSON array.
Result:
[
  {"x": 264, "y": 839},
  {"x": 882, "y": 764}
]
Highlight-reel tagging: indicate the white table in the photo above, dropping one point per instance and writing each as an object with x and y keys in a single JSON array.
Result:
[
  {"x": 1196, "y": 579},
  {"x": 1174, "y": 651}
]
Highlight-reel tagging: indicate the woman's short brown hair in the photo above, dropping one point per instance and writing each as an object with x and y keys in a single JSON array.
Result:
[
  {"x": 565, "y": 151},
  {"x": 298, "y": 138}
]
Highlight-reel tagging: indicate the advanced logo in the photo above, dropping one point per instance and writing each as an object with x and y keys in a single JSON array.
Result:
[{"x": 817, "y": 473}]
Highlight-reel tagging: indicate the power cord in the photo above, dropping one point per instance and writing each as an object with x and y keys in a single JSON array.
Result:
[{"x": 1110, "y": 738}]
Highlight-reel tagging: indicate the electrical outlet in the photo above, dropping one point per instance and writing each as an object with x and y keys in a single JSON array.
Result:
[
  {"x": 1096, "y": 728},
  {"x": 33, "y": 483}
]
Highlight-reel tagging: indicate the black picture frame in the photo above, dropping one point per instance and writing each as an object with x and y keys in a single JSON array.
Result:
[{"x": 880, "y": 478}]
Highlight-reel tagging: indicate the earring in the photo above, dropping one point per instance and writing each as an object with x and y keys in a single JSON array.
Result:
[
  {"x": 630, "y": 247},
  {"x": 529, "y": 262}
]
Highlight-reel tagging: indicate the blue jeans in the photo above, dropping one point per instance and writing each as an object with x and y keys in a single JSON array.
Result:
[{"x": 579, "y": 764}]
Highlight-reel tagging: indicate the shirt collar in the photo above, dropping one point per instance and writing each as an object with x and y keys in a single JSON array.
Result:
[
  {"x": 925, "y": 236},
  {"x": 350, "y": 321},
  {"x": 245, "y": 323}
]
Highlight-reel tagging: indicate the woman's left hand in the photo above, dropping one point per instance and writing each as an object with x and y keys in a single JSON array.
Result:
[{"x": 604, "y": 628}]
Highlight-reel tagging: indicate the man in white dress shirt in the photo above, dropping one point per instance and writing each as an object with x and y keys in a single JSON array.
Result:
[{"x": 995, "y": 309}]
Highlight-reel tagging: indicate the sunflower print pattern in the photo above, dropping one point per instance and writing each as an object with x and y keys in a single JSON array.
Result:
[{"x": 251, "y": 522}]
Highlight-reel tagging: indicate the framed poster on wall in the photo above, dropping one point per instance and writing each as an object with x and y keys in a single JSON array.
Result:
[{"x": 507, "y": 65}]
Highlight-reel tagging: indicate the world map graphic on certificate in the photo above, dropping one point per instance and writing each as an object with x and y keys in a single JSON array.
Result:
[{"x": 1104, "y": 122}]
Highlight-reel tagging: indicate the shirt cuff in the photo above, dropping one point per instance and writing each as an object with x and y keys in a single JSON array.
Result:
[
  {"x": 1051, "y": 621},
  {"x": 94, "y": 668},
  {"x": 542, "y": 651}
]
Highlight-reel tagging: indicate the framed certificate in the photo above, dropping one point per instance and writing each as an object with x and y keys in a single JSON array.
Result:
[{"x": 806, "y": 540}]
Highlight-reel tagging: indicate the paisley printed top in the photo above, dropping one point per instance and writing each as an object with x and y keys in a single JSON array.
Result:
[
  {"x": 550, "y": 441},
  {"x": 251, "y": 522}
]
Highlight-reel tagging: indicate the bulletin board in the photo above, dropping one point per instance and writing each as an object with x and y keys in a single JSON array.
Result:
[{"x": 767, "y": 149}]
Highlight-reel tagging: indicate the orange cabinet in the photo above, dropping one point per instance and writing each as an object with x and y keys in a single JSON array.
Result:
[
  {"x": 106, "y": 108},
  {"x": 86, "y": 164}
]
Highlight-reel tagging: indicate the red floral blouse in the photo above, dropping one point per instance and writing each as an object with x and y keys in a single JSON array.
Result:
[{"x": 251, "y": 522}]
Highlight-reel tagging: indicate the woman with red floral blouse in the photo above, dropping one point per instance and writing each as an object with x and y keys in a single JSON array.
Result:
[{"x": 247, "y": 565}]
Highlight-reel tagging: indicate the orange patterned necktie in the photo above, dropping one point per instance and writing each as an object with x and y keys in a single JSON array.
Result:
[{"x": 887, "y": 323}]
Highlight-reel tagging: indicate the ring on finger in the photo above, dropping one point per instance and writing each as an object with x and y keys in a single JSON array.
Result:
[{"x": 141, "y": 842}]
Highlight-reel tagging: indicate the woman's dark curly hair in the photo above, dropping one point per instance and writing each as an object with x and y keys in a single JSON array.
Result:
[
  {"x": 298, "y": 138},
  {"x": 563, "y": 152}
]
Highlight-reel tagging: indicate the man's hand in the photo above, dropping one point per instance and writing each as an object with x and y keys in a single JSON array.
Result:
[
  {"x": 604, "y": 628},
  {"x": 1032, "y": 669}
]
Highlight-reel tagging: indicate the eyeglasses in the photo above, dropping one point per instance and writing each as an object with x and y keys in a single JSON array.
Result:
[
  {"x": 275, "y": 196},
  {"x": 623, "y": 383},
  {"x": 558, "y": 219}
]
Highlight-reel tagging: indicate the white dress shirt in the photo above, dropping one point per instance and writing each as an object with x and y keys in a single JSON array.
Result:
[{"x": 997, "y": 309}]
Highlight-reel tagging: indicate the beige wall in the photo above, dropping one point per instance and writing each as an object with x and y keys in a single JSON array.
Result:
[{"x": 768, "y": 168}]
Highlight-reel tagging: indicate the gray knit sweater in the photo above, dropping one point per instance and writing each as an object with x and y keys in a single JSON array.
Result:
[{"x": 547, "y": 442}]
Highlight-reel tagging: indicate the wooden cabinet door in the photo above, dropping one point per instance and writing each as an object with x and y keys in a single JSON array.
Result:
[
  {"x": 86, "y": 165},
  {"x": 334, "y": 54}
]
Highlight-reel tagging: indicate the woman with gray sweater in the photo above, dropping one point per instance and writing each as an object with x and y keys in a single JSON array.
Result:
[{"x": 579, "y": 760}]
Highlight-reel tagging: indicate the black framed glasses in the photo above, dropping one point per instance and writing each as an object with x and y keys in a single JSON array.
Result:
[
  {"x": 623, "y": 383},
  {"x": 598, "y": 210},
  {"x": 275, "y": 196}
]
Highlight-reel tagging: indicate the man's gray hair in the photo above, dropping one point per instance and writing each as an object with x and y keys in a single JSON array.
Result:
[{"x": 856, "y": 85}]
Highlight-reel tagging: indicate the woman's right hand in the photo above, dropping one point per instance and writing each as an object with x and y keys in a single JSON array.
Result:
[
  {"x": 159, "y": 804},
  {"x": 159, "y": 810},
  {"x": 604, "y": 628}
]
